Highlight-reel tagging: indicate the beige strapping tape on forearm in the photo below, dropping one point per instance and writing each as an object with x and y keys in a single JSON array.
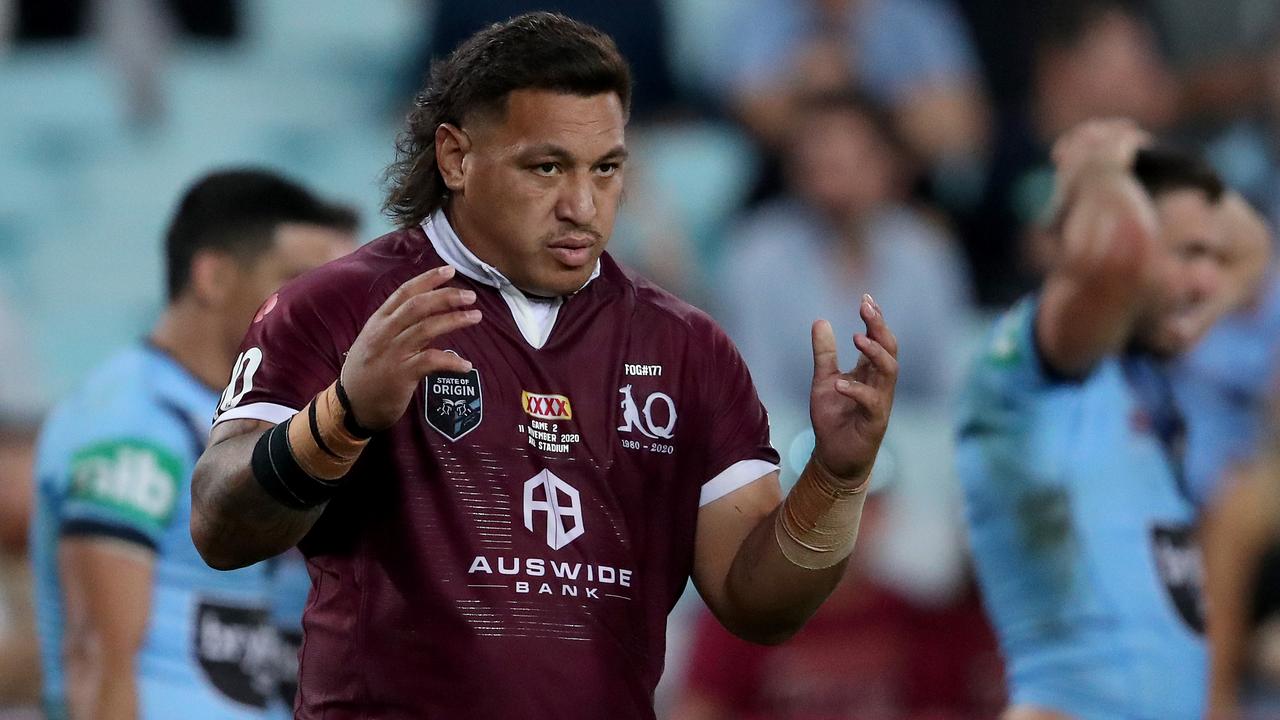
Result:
[
  {"x": 817, "y": 525},
  {"x": 325, "y": 449}
]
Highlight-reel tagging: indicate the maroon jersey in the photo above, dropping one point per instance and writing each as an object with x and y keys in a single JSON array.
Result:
[{"x": 513, "y": 545}]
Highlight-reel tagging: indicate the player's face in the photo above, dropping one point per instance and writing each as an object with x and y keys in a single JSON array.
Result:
[
  {"x": 540, "y": 185},
  {"x": 1191, "y": 272},
  {"x": 297, "y": 249}
]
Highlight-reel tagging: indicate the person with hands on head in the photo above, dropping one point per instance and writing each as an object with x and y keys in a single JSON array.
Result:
[
  {"x": 1071, "y": 444},
  {"x": 502, "y": 454}
]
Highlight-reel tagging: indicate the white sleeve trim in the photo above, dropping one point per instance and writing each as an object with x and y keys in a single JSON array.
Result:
[
  {"x": 743, "y": 472},
  {"x": 267, "y": 412}
]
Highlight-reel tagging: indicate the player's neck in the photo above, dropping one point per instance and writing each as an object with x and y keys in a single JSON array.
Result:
[
  {"x": 193, "y": 337},
  {"x": 470, "y": 236}
]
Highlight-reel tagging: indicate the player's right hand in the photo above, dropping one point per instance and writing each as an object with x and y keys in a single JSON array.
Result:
[
  {"x": 1106, "y": 142},
  {"x": 394, "y": 351}
]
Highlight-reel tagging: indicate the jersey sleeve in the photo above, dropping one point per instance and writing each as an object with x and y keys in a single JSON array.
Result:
[
  {"x": 1011, "y": 390},
  {"x": 1012, "y": 353},
  {"x": 292, "y": 350},
  {"x": 127, "y": 487},
  {"x": 737, "y": 426}
]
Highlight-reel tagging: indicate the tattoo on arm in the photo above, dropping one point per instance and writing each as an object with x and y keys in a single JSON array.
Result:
[{"x": 234, "y": 521}]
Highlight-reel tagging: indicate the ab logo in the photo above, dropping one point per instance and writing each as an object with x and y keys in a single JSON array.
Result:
[{"x": 546, "y": 493}]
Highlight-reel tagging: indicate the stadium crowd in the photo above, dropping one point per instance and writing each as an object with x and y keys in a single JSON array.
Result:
[{"x": 788, "y": 156}]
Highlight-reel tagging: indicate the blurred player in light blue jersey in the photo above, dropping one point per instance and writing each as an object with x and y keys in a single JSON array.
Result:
[
  {"x": 1071, "y": 448},
  {"x": 132, "y": 622}
]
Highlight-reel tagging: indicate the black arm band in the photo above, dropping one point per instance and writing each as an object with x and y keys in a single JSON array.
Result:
[
  {"x": 349, "y": 416},
  {"x": 278, "y": 472}
]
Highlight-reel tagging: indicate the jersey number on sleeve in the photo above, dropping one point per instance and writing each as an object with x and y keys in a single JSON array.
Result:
[{"x": 242, "y": 376}]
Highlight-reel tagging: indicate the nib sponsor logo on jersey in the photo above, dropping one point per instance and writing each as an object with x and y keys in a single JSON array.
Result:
[
  {"x": 547, "y": 413},
  {"x": 552, "y": 508},
  {"x": 131, "y": 480}
]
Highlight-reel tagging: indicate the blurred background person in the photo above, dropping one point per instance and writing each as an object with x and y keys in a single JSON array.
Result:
[
  {"x": 133, "y": 624},
  {"x": 913, "y": 57},
  {"x": 1072, "y": 446},
  {"x": 845, "y": 226},
  {"x": 842, "y": 227},
  {"x": 20, "y": 411},
  {"x": 639, "y": 27},
  {"x": 1089, "y": 59},
  {"x": 1227, "y": 63},
  {"x": 869, "y": 652}
]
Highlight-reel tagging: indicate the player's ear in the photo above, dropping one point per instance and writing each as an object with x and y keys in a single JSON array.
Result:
[
  {"x": 213, "y": 276},
  {"x": 452, "y": 146}
]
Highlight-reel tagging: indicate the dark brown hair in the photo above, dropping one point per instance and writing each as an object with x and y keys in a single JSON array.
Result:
[
  {"x": 237, "y": 211},
  {"x": 542, "y": 50},
  {"x": 1160, "y": 170}
]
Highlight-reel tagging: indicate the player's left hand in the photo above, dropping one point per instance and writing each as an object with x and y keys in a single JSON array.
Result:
[{"x": 850, "y": 411}]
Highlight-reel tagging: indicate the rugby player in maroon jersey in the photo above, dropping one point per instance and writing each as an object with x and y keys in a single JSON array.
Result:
[{"x": 503, "y": 454}]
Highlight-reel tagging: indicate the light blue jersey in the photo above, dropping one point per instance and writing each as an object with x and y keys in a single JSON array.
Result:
[
  {"x": 115, "y": 460},
  {"x": 1082, "y": 536},
  {"x": 1224, "y": 385}
]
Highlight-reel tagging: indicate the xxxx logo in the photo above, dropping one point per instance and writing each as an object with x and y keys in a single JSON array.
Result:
[{"x": 546, "y": 407}]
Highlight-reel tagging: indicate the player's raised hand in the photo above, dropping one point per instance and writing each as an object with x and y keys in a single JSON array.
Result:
[
  {"x": 850, "y": 411},
  {"x": 394, "y": 350},
  {"x": 1111, "y": 142}
]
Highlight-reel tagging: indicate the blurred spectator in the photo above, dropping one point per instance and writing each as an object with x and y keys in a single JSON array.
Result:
[
  {"x": 867, "y": 653},
  {"x": 1004, "y": 36},
  {"x": 1093, "y": 58},
  {"x": 136, "y": 36},
  {"x": 911, "y": 56},
  {"x": 20, "y": 405},
  {"x": 639, "y": 27},
  {"x": 841, "y": 230},
  {"x": 68, "y": 19},
  {"x": 1224, "y": 51},
  {"x": 1227, "y": 56}
]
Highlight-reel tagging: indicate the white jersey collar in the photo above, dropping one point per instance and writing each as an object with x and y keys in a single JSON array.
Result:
[
  {"x": 452, "y": 250},
  {"x": 534, "y": 317}
]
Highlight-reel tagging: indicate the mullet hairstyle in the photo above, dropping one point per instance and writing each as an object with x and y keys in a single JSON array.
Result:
[{"x": 541, "y": 51}]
